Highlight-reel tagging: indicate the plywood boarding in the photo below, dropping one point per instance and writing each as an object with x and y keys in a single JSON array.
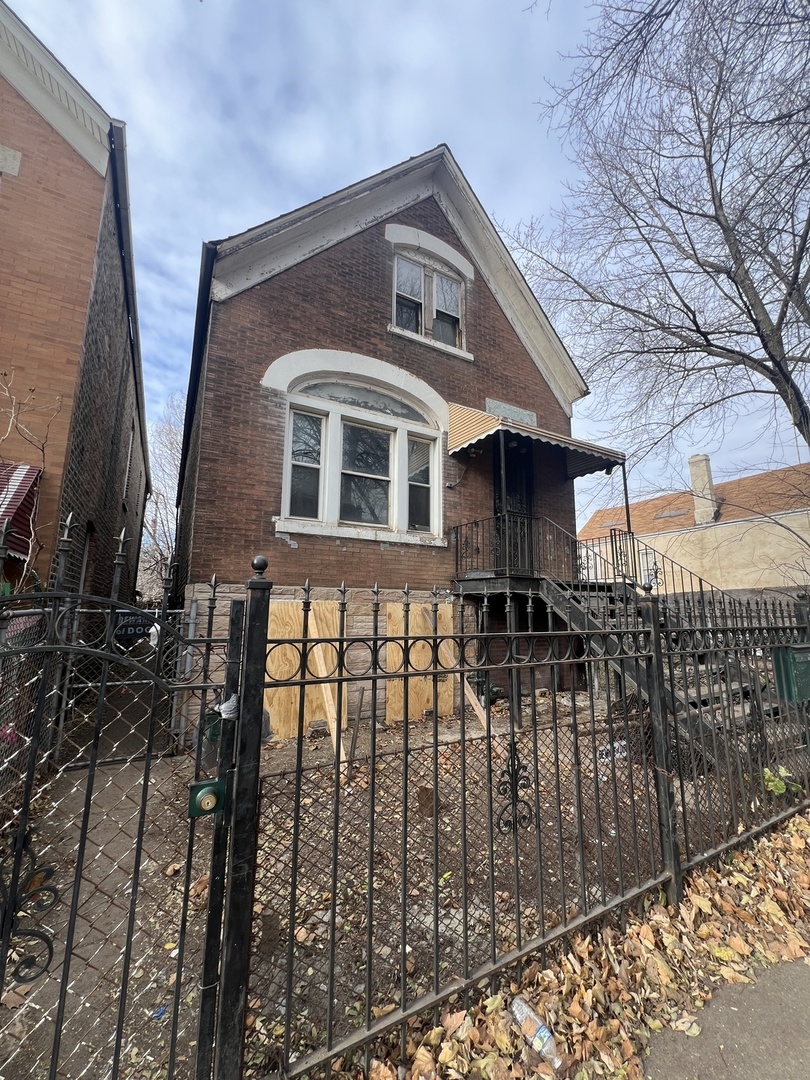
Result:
[
  {"x": 420, "y": 688},
  {"x": 285, "y": 623}
]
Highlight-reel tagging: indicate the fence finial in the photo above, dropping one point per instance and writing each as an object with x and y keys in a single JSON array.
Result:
[
  {"x": 62, "y": 549},
  {"x": 259, "y": 564}
]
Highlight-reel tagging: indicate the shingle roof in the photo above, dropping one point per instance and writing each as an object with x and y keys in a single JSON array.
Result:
[{"x": 776, "y": 492}]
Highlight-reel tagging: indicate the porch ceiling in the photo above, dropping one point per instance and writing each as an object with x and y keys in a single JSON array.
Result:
[{"x": 469, "y": 427}]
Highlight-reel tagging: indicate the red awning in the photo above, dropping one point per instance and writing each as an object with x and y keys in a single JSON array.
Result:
[{"x": 18, "y": 491}]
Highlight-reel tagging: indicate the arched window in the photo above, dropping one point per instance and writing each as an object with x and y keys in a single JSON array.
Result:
[{"x": 362, "y": 456}]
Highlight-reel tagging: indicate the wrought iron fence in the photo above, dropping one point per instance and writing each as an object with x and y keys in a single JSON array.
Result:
[
  {"x": 459, "y": 840},
  {"x": 455, "y": 795},
  {"x": 104, "y": 881}
]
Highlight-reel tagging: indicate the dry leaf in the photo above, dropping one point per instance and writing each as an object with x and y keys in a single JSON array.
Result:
[
  {"x": 453, "y": 1021},
  {"x": 200, "y": 886},
  {"x": 647, "y": 936},
  {"x": 738, "y": 945},
  {"x": 15, "y": 996},
  {"x": 382, "y": 1010},
  {"x": 423, "y": 1067},
  {"x": 379, "y": 1070}
]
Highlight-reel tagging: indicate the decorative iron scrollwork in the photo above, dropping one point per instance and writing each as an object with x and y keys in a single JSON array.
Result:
[
  {"x": 514, "y": 779},
  {"x": 32, "y": 897},
  {"x": 654, "y": 576}
]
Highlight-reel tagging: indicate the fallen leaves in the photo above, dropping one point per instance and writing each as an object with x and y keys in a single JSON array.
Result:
[{"x": 608, "y": 991}]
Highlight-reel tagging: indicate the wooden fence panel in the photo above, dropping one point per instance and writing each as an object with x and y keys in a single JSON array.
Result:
[
  {"x": 285, "y": 622},
  {"x": 420, "y": 688}
]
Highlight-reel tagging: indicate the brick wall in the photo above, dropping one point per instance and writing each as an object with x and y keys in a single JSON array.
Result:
[
  {"x": 63, "y": 332},
  {"x": 341, "y": 299},
  {"x": 49, "y": 221},
  {"x": 104, "y": 424}
]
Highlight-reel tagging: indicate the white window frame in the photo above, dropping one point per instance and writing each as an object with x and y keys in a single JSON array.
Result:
[
  {"x": 433, "y": 256},
  {"x": 328, "y": 523}
]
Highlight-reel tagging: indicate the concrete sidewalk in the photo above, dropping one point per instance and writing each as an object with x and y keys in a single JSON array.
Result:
[{"x": 754, "y": 1032}]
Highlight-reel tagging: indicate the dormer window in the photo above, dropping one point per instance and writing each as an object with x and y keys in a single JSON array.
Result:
[
  {"x": 431, "y": 285},
  {"x": 428, "y": 302}
]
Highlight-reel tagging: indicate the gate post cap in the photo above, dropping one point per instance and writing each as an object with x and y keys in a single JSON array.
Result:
[{"x": 259, "y": 564}]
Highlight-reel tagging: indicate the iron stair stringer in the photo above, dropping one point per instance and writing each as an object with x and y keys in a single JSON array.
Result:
[{"x": 567, "y": 602}]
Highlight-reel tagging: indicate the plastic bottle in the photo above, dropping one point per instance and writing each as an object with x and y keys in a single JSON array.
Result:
[{"x": 535, "y": 1031}]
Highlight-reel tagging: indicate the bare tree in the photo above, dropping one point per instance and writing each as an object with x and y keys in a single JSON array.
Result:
[
  {"x": 165, "y": 447},
  {"x": 678, "y": 267},
  {"x": 25, "y": 425}
]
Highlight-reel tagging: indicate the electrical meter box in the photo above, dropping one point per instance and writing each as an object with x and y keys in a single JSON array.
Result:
[{"x": 791, "y": 668}]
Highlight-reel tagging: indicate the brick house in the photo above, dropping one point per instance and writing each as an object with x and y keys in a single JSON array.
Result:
[
  {"x": 376, "y": 396},
  {"x": 69, "y": 343}
]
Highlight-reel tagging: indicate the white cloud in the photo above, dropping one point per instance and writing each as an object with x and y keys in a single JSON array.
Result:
[{"x": 240, "y": 110}]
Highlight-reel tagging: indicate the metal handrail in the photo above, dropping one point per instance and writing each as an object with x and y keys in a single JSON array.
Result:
[{"x": 607, "y": 573}]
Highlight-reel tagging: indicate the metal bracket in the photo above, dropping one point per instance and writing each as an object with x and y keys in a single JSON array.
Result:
[{"x": 206, "y": 797}]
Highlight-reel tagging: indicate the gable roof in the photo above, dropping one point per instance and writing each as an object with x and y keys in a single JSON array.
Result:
[
  {"x": 778, "y": 491},
  {"x": 48, "y": 87},
  {"x": 239, "y": 262}
]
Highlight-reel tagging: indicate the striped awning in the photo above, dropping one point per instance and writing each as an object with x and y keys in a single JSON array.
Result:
[
  {"x": 468, "y": 427},
  {"x": 18, "y": 491}
]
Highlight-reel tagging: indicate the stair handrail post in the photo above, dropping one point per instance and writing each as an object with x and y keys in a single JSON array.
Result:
[{"x": 664, "y": 786}]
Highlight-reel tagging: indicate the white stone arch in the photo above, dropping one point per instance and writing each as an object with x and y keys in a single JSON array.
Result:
[{"x": 293, "y": 369}]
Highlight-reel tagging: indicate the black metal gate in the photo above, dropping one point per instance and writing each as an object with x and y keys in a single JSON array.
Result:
[{"x": 110, "y": 884}]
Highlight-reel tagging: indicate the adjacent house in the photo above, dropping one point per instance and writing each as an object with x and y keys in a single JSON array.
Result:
[
  {"x": 72, "y": 425},
  {"x": 748, "y": 537},
  {"x": 371, "y": 376}
]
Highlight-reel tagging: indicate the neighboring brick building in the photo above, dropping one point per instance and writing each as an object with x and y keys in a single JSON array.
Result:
[
  {"x": 369, "y": 373},
  {"x": 69, "y": 345}
]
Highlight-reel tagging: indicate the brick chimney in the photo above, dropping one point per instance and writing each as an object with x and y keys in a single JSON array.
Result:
[{"x": 707, "y": 504}]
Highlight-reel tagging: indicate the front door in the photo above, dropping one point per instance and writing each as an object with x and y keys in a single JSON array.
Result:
[{"x": 513, "y": 485}]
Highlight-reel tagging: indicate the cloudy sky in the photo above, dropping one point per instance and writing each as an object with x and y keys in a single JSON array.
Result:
[{"x": 240, "y": 110}]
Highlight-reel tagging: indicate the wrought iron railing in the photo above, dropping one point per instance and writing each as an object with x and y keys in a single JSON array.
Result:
[
  {"x": 607, "y": 576},
  {"x": 515, "y": 545},
  {"x": 613, "y": 572}
]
